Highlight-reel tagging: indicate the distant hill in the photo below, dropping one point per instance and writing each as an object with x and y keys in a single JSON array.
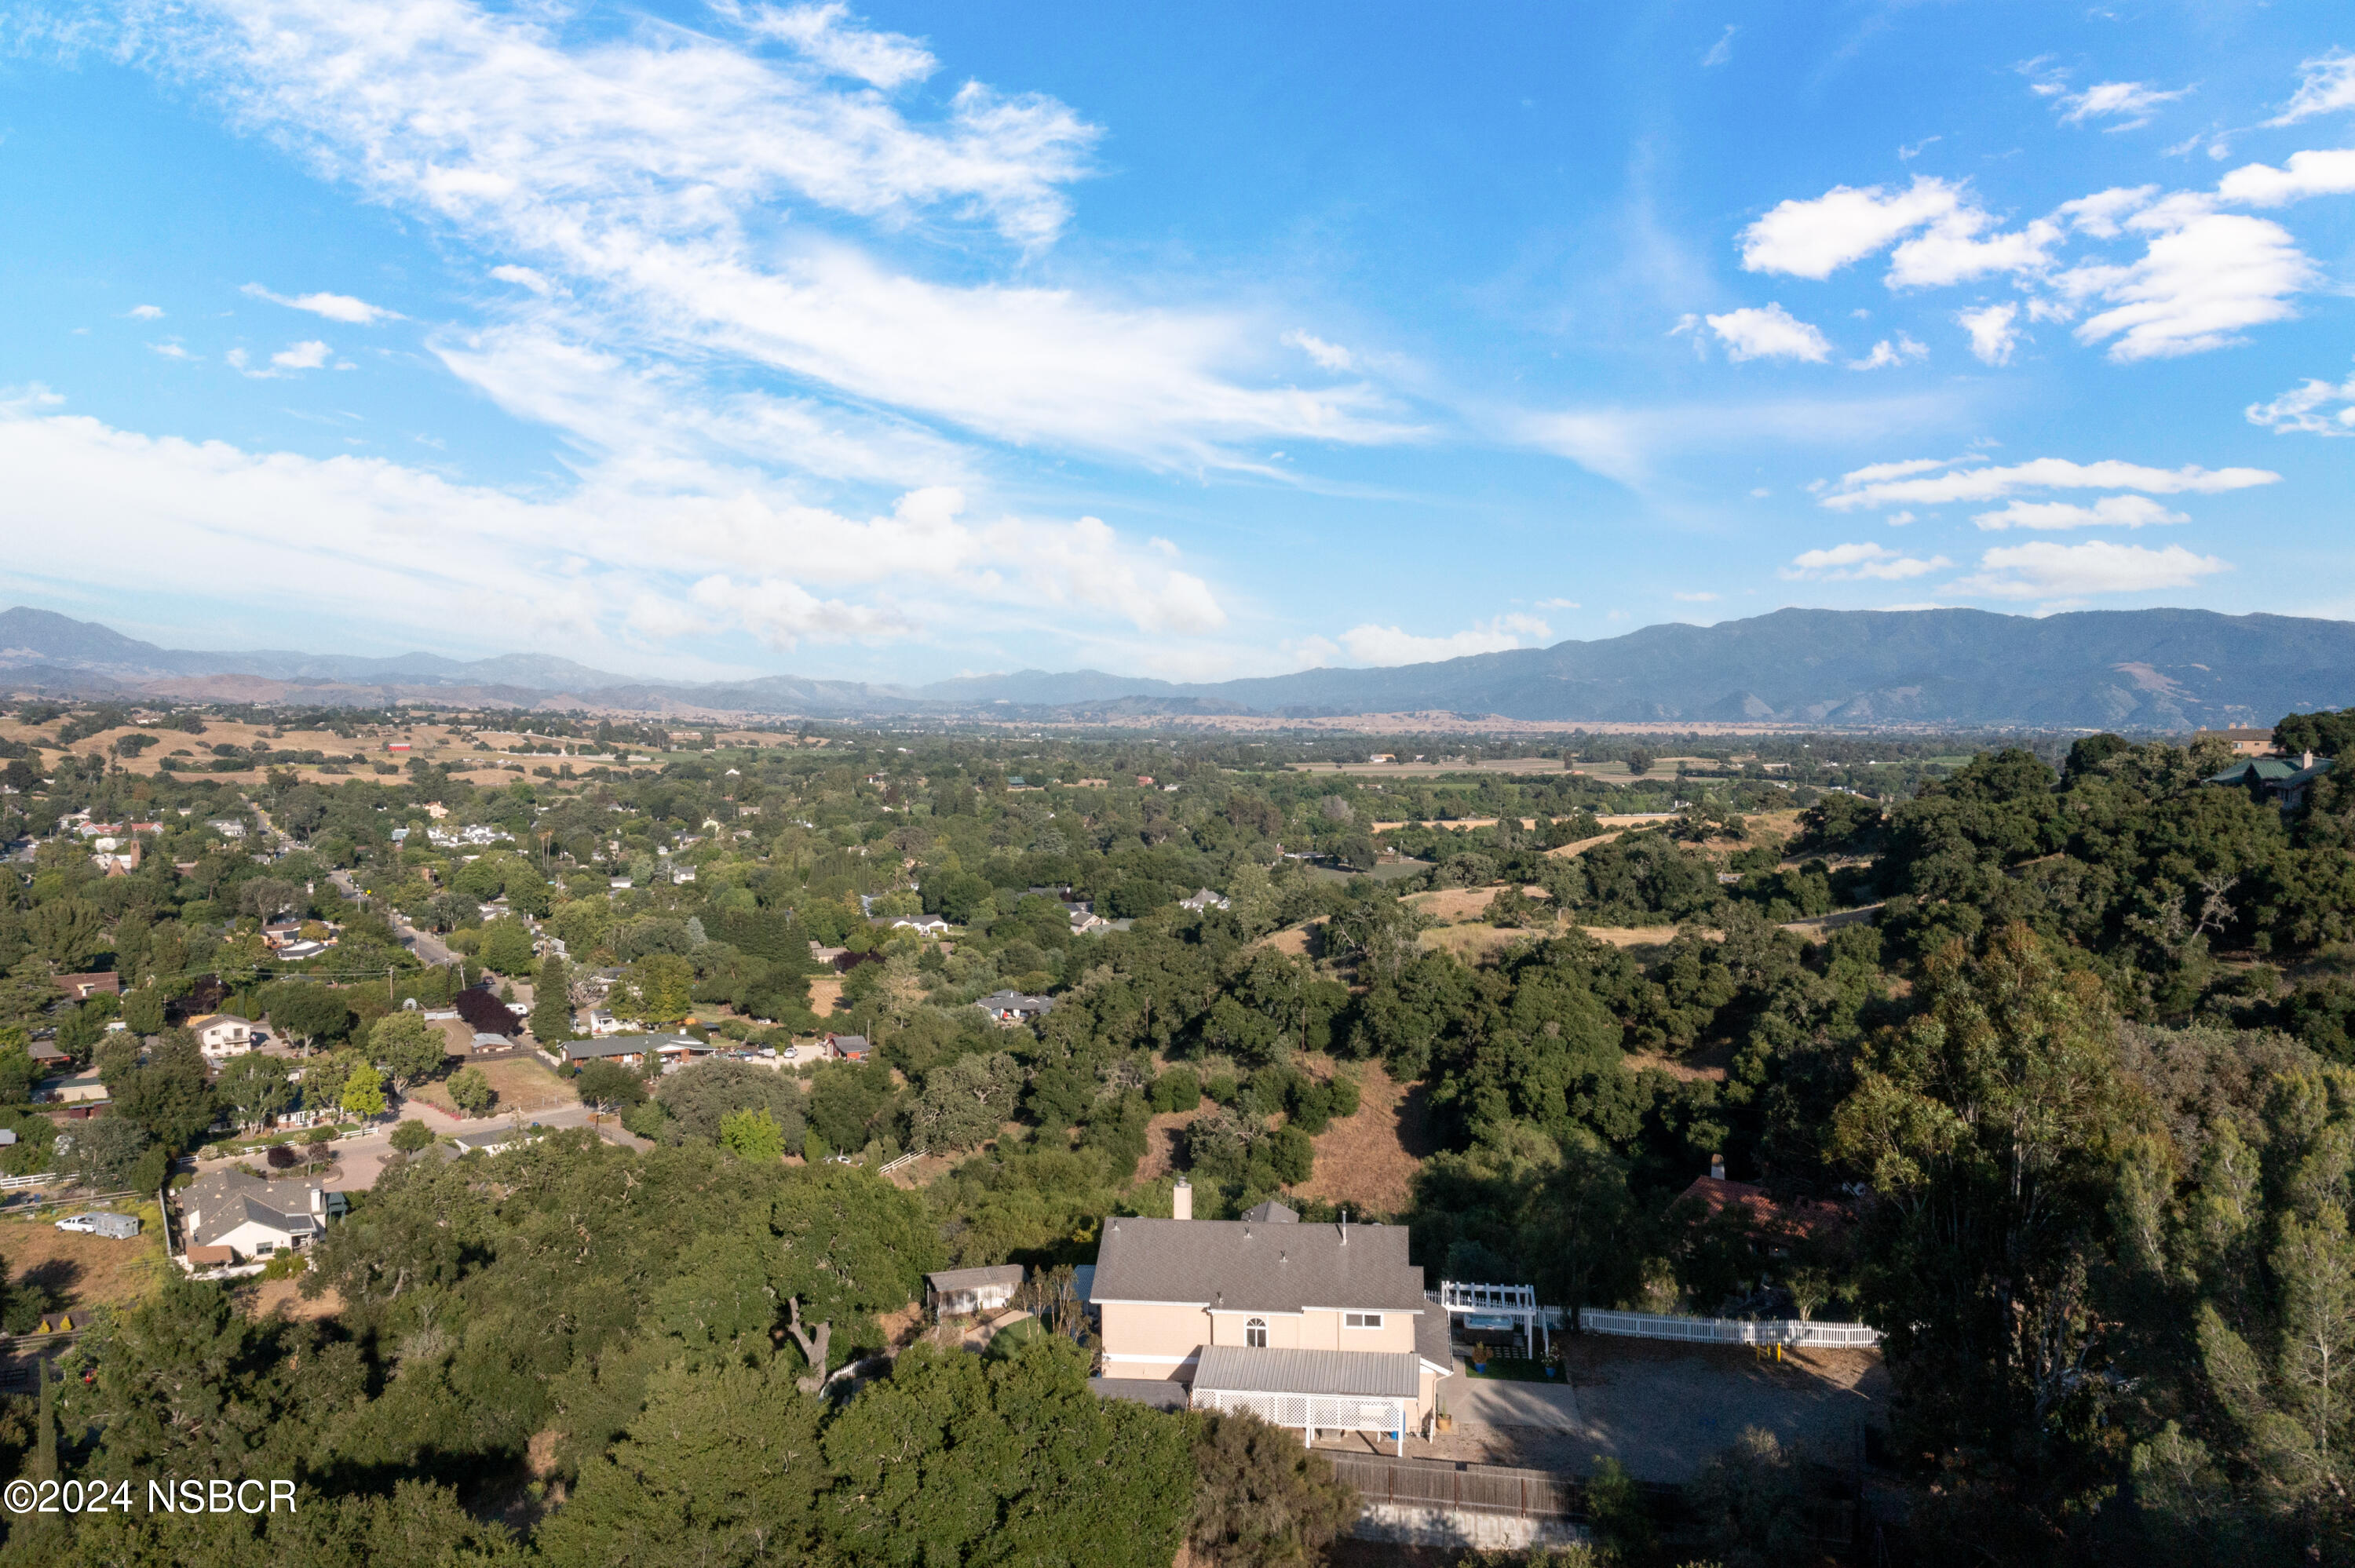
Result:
[
  {"x": 43, "y": 636},
  {"x": 2143, "y": 669}
]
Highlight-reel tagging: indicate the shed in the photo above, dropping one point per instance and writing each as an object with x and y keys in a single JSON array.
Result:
[{"x": 961, "y": 1290}]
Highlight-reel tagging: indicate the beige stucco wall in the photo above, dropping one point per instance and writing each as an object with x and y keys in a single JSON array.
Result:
[{"x": 1163, "y": 1334}]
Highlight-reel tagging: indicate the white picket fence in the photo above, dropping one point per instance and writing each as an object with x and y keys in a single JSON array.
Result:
[
  {"x": 1729, "y": 1331},
  {"x": 18, "y": 1183}
]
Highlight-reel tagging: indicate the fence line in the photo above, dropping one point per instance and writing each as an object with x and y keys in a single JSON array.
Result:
[
  {"x": 1471, "y": 1489},
  {"x": 908, "y": 1158},
  {"x": 37, "y": 1179},
  {"x": 1729, "y": 1331}
]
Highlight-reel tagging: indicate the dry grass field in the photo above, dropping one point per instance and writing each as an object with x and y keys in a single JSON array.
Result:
[
  {"x": 523, "y": 1084},
  {"x": 1368, "y": 1160},
  {"x": 84, "y": 1271}
]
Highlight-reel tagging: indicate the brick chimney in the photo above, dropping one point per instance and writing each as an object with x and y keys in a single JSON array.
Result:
[{"x": 1181, "y": 1199}]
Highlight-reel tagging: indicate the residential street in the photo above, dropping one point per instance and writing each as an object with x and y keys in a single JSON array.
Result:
[
  {"x": 429, "y": 949},
  {"x": 359, "y": 1160}
]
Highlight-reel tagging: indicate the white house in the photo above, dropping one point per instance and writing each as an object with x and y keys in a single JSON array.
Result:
[
  {"x": 221, "y": 1035},
  {"x": 230, "y": 1218}
]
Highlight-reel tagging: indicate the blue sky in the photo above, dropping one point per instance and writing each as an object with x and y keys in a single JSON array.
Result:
[{"x": 905, "y": 342}]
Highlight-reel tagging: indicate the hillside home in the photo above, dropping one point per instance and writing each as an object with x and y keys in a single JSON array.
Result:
[
  {"x": 221, "y": 1035},
  {"x": 846, "y": 1047},
  {"x": 1008, "y": 1008},
  {"x": 1206, "y": 899},
  {"x": 82, "y": 988},
  {"x": 251, "y": 1218},
  {"x": 2286, "y": 781},
  {"x": 1319, "y": 1327}
]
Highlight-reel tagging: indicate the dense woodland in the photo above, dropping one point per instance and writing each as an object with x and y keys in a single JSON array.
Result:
[{"x": 2079, "y": 1086}]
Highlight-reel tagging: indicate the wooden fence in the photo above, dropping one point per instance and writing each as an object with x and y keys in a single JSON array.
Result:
[{"x": 1471, "y": 1489}]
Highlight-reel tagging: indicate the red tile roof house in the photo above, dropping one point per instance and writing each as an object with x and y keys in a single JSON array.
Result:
[{"x": 1798, "y": 1219}]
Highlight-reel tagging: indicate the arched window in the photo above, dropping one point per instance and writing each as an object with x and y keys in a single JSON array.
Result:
[{"x": 1255, "y": 1333}]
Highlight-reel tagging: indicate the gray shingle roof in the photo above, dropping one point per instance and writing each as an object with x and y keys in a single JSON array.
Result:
[
  {"x": 975, "y": 1278},
  {"x": 1243, "y": 1266},
  {"x": 1376, "y": 1374},
  {"x": 223, "y": 1202}
]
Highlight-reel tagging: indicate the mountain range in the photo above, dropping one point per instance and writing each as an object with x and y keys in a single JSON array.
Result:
[{"x": 2140, "y": 669}]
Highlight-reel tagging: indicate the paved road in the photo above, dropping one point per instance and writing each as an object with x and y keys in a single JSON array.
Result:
[
  {"x": 429, "y": 949},
  {"x": 360, "y": 1160}
]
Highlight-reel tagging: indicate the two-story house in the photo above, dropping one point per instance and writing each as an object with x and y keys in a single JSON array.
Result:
[{"x": 1321, "y": 1327}]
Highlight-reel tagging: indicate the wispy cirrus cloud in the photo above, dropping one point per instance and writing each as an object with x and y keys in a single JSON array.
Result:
[
  {"x": 335, "y": 307},
  {"x": 646, "y": 174},
  {"x": 1860, "y": 563},
  {"x": 2308, "y": 409},
  {"x": 1933, "y": 481},
  {"x": 2124, "y": 104},
  {"x": 2327, "y": 85}
]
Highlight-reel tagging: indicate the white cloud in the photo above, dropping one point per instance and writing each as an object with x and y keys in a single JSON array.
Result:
[
  {"x": 1372, "y": 644},
  {"x": 1722, "y": 50},
  {"x": 1993, "y": 335},
  {"x": 1331, "y": 355},
  {"x": 1860, "y": 563},
  {"x": 2328, "y": 86},
  {"x": 1898, "y": 519},
  {"x": 2100, "y": 214},
  {"x": 1914, "y": 150},
  {"x": 2129, "y": 103},
  {"x": 1886, "y": 354},
  {"x": 645, "y": 177},
  {"x": 2327, "y": 173},
  {"x": 1950, "y": 239},
  {"x": 1558, "y": 604},
  {"x": 826, "y": 36},
  {"x": 2205, "y": 277},
  {"x": 2306, "y": 408},
  {"x": 335, "y": 307},
  {"x": 145, "y": 312},
  {"x": 1934, "y": 482},
  {"x": 1769, "y": 333},
  {"x": 1951, "y": 251},
  {"x": 524, "y": 277},
  {"x": 2045, "y": 570},
  {"x": 301, "y": 355},
  {"x": 2109, "y": 511},
  {"x": 1816, "y": 239},
  {"x": 378, "y": 545},
  {"x": 170, "y": 349},
  {"x": 1694, "y": 597}
]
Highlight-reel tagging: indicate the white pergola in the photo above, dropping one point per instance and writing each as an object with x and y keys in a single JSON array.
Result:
[{"x": 1465, "y": 1300}]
